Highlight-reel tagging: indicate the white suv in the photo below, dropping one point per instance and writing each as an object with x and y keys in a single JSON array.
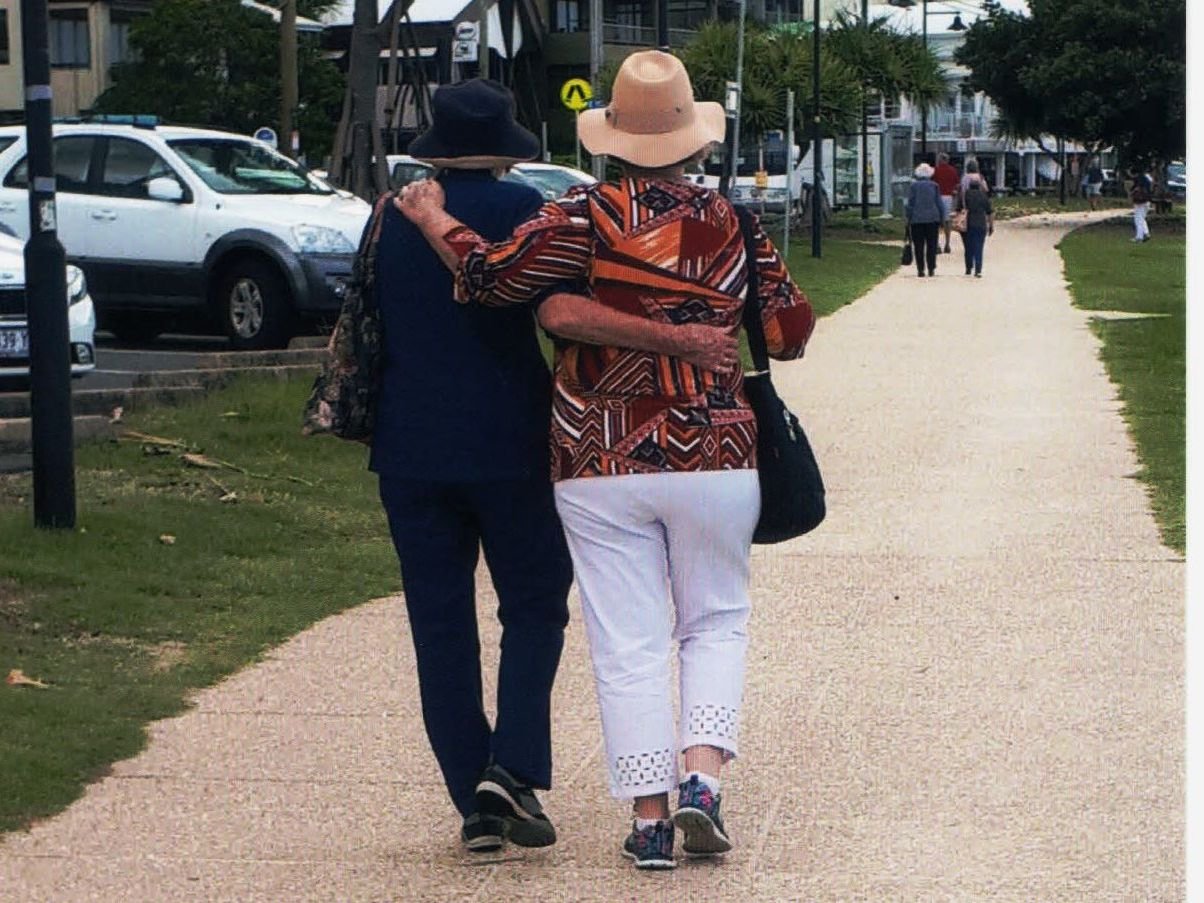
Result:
[{"x": 191, "y": 228}]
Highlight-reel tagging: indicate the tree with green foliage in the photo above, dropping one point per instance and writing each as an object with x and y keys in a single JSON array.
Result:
[
  {"x": 1099, "y": 72},
  {"x": 854, "y": 58},
  {"x": 216, "y": 63}
]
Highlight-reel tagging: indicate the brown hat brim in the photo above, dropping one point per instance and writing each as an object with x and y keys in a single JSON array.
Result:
[
  {"x": 478, "y": 162},
  {"x": 653, "y": 150}
]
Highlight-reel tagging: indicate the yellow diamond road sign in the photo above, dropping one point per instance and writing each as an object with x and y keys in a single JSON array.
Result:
[{"x": 576, "y": 94}]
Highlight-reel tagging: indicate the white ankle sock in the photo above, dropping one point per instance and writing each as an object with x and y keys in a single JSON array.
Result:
[{"x": 705, "y": 778}]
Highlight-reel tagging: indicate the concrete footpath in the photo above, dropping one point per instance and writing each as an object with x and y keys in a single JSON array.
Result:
[{"x": 966, "y": 685}]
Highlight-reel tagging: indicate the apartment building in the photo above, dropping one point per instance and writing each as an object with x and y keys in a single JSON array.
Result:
[{"x": 87, "y": 37}]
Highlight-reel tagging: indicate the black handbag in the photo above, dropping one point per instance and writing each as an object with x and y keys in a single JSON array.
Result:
[
  {"x": 792, "y": 490},
  {"x": 906, "y": 259},
  {"x": 343, "y": 399}
]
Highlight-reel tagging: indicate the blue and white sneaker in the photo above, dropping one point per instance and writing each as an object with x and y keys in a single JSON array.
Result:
[
  {"x": 651, "y": 847},
  {"x": 698, "y": 817}
]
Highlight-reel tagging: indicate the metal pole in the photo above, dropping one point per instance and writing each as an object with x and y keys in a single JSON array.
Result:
[
  {"x": 598, "y": 164},
  {"x": 865, "y": 160},
  {"x": 789, "y": 172},
  {"x": 288, "y": 74},
  {"x": 817, "y": 140},
  {"x": 483, "y": 55},
  {"x": 46, "y": 292},
  {"x": 924, "y": 108},
  {"x": 734, "y": 157},
  {"x": 662, "y": 24}
]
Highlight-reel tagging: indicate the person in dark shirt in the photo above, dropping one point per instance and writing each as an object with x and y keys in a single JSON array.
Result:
[
  {"x": 980, "y": 222},
  {"x": 462, "y": 451}
]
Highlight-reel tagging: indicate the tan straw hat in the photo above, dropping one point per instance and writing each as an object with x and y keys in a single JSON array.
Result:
[{"x": 653, "y": 119}]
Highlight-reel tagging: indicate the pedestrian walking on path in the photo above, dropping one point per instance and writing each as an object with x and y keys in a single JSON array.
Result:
[
  {"x": 653, "y": 458},
  {"x": 980, "y": 222},
  {"x": 1141, "y": 194},
  {"x": 461, "y": 450},
  {"x": 924, "y": 210},
  {"x": 947, "y": 180}
]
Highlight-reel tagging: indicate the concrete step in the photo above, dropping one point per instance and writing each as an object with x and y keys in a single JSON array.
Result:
[
  {"x": 16, "y": 434},
  {"x": 215, "y": 360},
  {"x": 309, "y": 341},
  {"x": 213, "y": 378},
  {"x": 102, "y": 401}
]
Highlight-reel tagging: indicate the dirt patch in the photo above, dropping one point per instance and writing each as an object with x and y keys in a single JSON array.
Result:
[{"x": 166, "y": 656}]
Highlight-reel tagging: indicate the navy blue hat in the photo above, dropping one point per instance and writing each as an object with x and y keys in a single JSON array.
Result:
[{"x": 474, "y": 128}]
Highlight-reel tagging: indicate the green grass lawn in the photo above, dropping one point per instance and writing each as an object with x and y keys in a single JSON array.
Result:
[
  {"x": 123, "y": 623},
  {"x": 1146, "y": 358}
]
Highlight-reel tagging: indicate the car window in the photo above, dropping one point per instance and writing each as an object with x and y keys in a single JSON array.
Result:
[
  {"x": 72, "y": 162},
  {"x": 405, "y": 173},
  {"x": 245, "y": 167},
  {"x": 6, "y": 142},
  {"x": 129, "y": 166}
]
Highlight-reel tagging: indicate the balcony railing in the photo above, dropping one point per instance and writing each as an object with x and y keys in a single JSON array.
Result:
[
  {"x": 642, "y": 35},
  {"x": 950, "y": 124}
]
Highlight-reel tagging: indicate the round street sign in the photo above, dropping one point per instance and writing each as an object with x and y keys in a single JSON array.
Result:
[
  {"x": 266, "y": 135},
  {"x": 576, "y": 94}
]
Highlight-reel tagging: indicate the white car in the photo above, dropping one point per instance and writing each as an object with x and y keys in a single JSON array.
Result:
[
  {"x": 549, "y": 179},
  {"x": 192, "y": 228},
  {"x": 552, "y": 179},
  {"x": 14, "y": 330}
]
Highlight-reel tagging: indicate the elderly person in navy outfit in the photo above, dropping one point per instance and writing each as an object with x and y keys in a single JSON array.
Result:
[
  {"x": 462, "y": 452},
  {"x": 925, "y": 211}
]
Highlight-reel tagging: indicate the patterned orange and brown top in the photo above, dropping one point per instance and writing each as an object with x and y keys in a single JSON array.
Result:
[{"x": 666, "y": 250}]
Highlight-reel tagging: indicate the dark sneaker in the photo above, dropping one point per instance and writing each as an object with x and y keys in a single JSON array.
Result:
[
  {"x": 698, "y": 817},
  {"x": 501, "y": 795},
  {"x": 651, "y": 847},
  {"x": 483, "y": 833}
]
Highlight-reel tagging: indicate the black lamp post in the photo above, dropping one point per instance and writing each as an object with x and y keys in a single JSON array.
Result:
[{"x": 817, "y": 139}]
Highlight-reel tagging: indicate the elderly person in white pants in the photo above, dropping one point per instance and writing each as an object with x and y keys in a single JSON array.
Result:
[{"x": 653, "y": 457}]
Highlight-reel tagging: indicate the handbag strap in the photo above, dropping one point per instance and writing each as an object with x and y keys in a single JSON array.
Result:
[{"x": 752, "y": 302}]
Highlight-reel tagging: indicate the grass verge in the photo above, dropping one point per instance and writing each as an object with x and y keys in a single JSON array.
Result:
[
  {"x": 123, "y": 622},
  {"x": 122, "y": 625},
  {"x": 1146, "y": 358}
]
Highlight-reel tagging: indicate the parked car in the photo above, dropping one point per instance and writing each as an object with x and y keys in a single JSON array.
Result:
[
  {"x": 14, "y": 328},
  {"x": 192, "y": 229},
  {"x": 1176, "y": 180},
  {"x": 404, "y": 169},
  {"x": 553, "y": 180}
]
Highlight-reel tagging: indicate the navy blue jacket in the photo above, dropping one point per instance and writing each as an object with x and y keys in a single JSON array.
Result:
[{"x": 465, "y": 394}]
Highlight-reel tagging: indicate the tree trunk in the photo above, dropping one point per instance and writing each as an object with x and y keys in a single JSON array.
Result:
[{"x": 355, "y": 150}]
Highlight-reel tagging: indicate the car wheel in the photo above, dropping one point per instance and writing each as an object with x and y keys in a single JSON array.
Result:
[
  {"x": 135, "y": 328},
  {"x": 254, "y": 306}
]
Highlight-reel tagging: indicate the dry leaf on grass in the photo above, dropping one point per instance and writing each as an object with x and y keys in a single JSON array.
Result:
[
  {"x": 115, "y": 416},
  {"x": 197, "y": 460},
  {"x": 229, "y": 497},
  {"x": 167, "y": 539},
  {"x": 16, "y": 678},
  {"x": 231, "y": 414}
]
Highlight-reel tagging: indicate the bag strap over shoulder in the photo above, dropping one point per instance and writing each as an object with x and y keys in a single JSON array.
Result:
[{"x": 752, "y": 303}]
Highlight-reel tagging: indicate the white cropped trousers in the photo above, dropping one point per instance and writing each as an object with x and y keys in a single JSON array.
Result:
[{"x": 636, "y": 541}]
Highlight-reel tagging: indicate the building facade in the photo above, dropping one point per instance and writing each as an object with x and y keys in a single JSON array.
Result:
[{"x": 87, "y": 38}]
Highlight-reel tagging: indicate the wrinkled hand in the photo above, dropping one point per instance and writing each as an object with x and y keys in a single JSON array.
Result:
[
  {"x": 709, "y": 347},
  {"x": 418, "y": 200}
]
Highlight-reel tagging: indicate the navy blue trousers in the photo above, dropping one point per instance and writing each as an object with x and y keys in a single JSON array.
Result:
[
  {"x": 974, "y": 239},
  {"x": 437, "y": 529}
]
